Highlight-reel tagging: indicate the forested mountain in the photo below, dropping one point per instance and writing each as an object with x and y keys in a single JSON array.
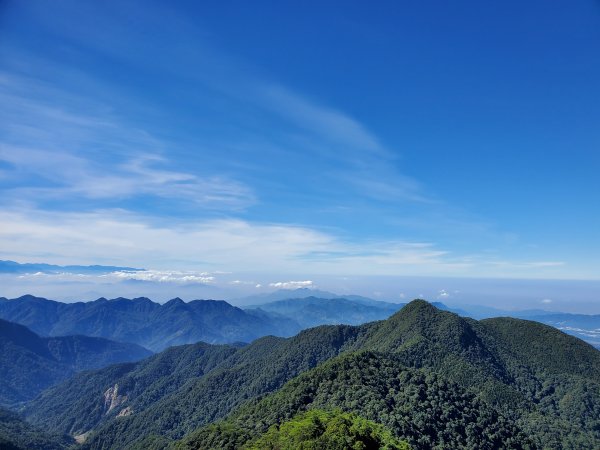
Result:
[
  {"x": 30, "y": 364},
  {"x": 584, "y": 326},
  {"x": 425, "y": 409},
  {"x": 16, "y": 434},
  {"x": 313, "y": 311},
  {"x": 144, "y": 322},
  {"x": 430, "y": 376},
  {"x": 258, "y": 368}
]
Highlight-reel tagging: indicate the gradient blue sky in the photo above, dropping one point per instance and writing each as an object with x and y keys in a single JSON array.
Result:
[{"x": 289, "y": 140}]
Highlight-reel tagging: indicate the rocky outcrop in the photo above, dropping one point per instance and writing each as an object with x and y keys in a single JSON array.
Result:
[
  {"x": 112, "y": 399},
  {"x": 127, "y": 411},
  {"x": 80, "y": 438}
]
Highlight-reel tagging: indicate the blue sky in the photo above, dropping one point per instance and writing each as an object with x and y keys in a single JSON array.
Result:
[{"x": 282, "y": 142}]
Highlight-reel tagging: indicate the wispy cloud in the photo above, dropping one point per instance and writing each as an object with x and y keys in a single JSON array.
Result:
[
  {"x": 328, "y": 123},
  {"x": 527, "y": 264},
  {"x": 82, "y": 150},
  {"x": 362, "y": 162},
  {"x": 110, "y": 156}
]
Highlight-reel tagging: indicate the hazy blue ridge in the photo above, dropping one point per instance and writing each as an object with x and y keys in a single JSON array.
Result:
[
  {"x": 22, "y": 268},
  {"x": 141, "y": 321},
  {"x": 30, "y": 363}
]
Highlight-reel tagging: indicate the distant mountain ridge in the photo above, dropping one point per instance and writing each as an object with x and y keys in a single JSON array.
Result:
[
  {"x": 157, "y": 326},
  {"x": 285, "y": 294},
  {"x": 21, "y": 268},
  {"x": 30, "y": 364},
  {"x": 313, "y": 311},
  {"x": 141, "y": 321}
]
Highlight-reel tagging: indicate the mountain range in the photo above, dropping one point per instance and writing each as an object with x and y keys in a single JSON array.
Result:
[
  {"x": 282, "y": 313},
  {"x": 435, "y": 379},
  {"x": 157, "y": 326},
  {"x": 152, "y": 325}
]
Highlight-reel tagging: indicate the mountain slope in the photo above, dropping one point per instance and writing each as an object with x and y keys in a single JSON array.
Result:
[
  {"x": 420, "y": 406},
  {"x": 30, "y": 364},
  {"x": 261, "y": 367},
  {"x": 536, "y": 378},
  {"x": 144, "y": 322},
  {"x": 91, "y": 398},
  {"x": 583, "y": 326}
]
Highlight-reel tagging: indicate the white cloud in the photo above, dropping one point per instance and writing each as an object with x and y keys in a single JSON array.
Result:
[
  {"x": 292, "y": 284},
  {"x": 159, "y": 276},
  {"x": 58, "y": 276},
  {"x": 117, "y": 237},
  {"x": 163, "y": 276},
  {"x": 546, "y": 301},
  {"x": 443, "y": 294},
  {"x": 244, "y": 283}
]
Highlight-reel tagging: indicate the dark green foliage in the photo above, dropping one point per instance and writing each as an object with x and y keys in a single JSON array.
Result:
[
  {"x": 546, "y": 349},
  {"x": 30, "y": 364},
  {"x": 144, "y": 322},
  {"x": 315, "y": 429},
  {"x": 79, "y": 404},
  {"x": 17, "y": 434},
  {"x": 259, "y": 368},
  {"x": 327, "y": 430},
  {"x": 420, "y": 406}
]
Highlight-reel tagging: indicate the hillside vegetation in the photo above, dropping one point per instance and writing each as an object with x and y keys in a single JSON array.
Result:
[
  {"x": 15, "y": 434},
  {"x": 326, "y": 430},
  {"x": 431, "y": 377}
]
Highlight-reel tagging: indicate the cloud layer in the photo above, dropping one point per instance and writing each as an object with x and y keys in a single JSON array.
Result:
[{"x": 118, "y": 237}]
